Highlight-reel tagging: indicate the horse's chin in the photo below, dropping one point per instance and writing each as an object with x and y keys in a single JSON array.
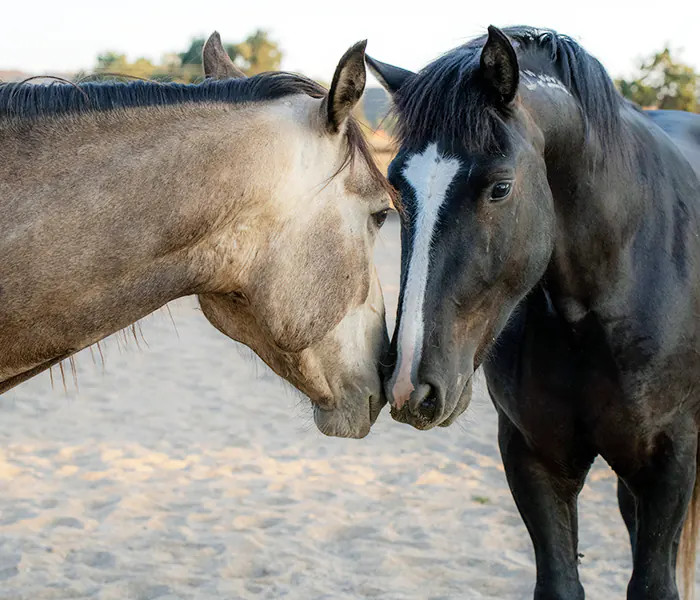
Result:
[
  {"x": 340, "y": 423},
  {"x": 461, "y": 406},
  {"x": 352, "y": 419}
]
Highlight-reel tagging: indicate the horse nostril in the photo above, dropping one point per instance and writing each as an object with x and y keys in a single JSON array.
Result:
[
  {"x": 325, "y": 402},
  {"x": 428, "y": 405},
  {"x": 424, "y": 403}
]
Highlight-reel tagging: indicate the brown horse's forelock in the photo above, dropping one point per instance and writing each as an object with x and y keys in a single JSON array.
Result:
[{"x": 358, "y": 146}]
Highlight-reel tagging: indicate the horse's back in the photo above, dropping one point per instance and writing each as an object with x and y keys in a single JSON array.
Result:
[{"x": 684, "y": 129}]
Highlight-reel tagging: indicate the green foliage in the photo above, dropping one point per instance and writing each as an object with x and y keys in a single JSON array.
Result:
[
  {"x": 193, "y": 55},
  {"x": 257, "y": 53},
  {"x": 112, "y": 63},
  {"x": 664, "y": 83}
]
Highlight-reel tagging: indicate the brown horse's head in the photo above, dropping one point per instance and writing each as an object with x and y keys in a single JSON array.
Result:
[{"x": 307, "y": 299}]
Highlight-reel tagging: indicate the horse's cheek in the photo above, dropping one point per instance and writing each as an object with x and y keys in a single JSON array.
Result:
[{"x": 309, "y": 289}]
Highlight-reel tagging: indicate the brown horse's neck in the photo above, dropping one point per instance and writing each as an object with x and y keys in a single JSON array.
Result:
[{"x": 104, "y": 219}]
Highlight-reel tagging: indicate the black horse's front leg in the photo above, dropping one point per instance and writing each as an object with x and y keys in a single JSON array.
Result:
[
  {"x": 547, "y": 500},
  {"x": 662, "y": 490},
  {"x": 628, "y": 509}
]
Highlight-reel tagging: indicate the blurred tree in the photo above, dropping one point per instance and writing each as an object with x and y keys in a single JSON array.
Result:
[
  {"x": 112, "y": 62},
  {"x": 664, "y": 83},
  {"x": 193, "y": 55},
  {"x": 258, "y": 54},
  {"x": 254, "y": 55},
  {"x": 106, "y": 60}
]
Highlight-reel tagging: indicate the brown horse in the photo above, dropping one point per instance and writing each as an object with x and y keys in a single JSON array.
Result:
[{"x": 257, "y": 194}]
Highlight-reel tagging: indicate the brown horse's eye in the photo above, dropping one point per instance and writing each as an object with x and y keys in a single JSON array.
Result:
[
  {"x": 380, "y": 217},
  {"x": 501, "y": 190}
]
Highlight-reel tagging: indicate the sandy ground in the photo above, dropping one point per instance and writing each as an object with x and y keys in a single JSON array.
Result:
[{"x": 186, "y": 470}]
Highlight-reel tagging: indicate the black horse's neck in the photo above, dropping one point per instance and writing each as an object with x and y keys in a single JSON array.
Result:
[{"x": 615, "y": 206}]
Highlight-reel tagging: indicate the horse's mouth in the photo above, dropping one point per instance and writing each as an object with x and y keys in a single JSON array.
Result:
[
  {"x": 404, "y": 415},
  {"x": 375, "y": 407},
  {"x": 338, "y": 423},
  {"x": 351, "y": 420},
  {"x": 423, "y": 423}
]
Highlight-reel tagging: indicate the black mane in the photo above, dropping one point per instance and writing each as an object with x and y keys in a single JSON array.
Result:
[
  {"x": 30, "y": 102},
  {"x": 446, "y": 99},
  {"x": 27, "y": 101}
]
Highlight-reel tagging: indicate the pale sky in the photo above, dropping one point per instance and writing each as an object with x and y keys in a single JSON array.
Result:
[{"x": 49, "y": 35}]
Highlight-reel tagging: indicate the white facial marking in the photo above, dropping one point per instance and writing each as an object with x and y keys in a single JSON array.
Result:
[{"x": 430, "y": 175}]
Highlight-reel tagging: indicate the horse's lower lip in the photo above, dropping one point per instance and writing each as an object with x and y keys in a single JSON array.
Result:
[
  {"x": 398, "y": 414},
  {"x": 403, "y": 415},
  {"x": 448, "y": 420},
  {"x": 338, "y": 427}
]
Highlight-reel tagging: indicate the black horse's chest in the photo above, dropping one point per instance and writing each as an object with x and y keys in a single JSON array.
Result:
[{"x": 559, "y": 384}]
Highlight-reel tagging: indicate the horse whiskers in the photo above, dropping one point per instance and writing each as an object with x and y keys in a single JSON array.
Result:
[
  {"x": 102, "y": 357},
  {"x": 308, "y": 423},
  {"x": 143, "y": 339},
  {"x": 167, "y": 307},
  {"x": 122, "y": 340},
  {"x": 133, "y": 333},
  {"x": 63, "y": 376},
  {"x": 74, "y": 372}
]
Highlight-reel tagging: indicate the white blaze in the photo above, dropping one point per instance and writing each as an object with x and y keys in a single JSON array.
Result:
[{"x": 430, "y": 176}]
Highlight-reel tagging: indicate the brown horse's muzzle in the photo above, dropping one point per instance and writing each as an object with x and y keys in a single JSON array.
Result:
[{"x": 352, "y": 419}]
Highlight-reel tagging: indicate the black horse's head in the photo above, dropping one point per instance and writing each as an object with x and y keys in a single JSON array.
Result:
[{"x": 478, "y": 225}]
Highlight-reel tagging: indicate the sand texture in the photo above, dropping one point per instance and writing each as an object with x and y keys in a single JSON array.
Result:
[{"x": 186, "y": 470}]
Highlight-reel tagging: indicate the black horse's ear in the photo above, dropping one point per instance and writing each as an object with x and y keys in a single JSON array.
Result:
[
  {"x": 499, "y": 66},
  {"x": 217, "y": 63},
  {"x": 391, "y": 77},
  {"x": 347, "y": 87}
]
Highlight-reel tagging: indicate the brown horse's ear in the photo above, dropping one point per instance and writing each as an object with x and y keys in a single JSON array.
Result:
[
  {"x": 499, "y": 66},
  {"x": 391, "y": 77},
  {"x": 217, "y": 63},
  {"x": 347, "y": 87}
]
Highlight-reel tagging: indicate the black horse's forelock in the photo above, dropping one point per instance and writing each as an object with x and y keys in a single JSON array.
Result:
[
  {"x": 447, "y": 100},
  {"x": 27, "y": 101}
]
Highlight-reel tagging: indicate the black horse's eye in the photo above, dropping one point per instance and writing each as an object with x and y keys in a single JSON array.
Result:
[
  {"x": 380, "y": 217},
  {"x": 501, "y": 190}
]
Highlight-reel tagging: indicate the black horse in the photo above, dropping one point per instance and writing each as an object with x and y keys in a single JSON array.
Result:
[{"x": 551, "y": 234}]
